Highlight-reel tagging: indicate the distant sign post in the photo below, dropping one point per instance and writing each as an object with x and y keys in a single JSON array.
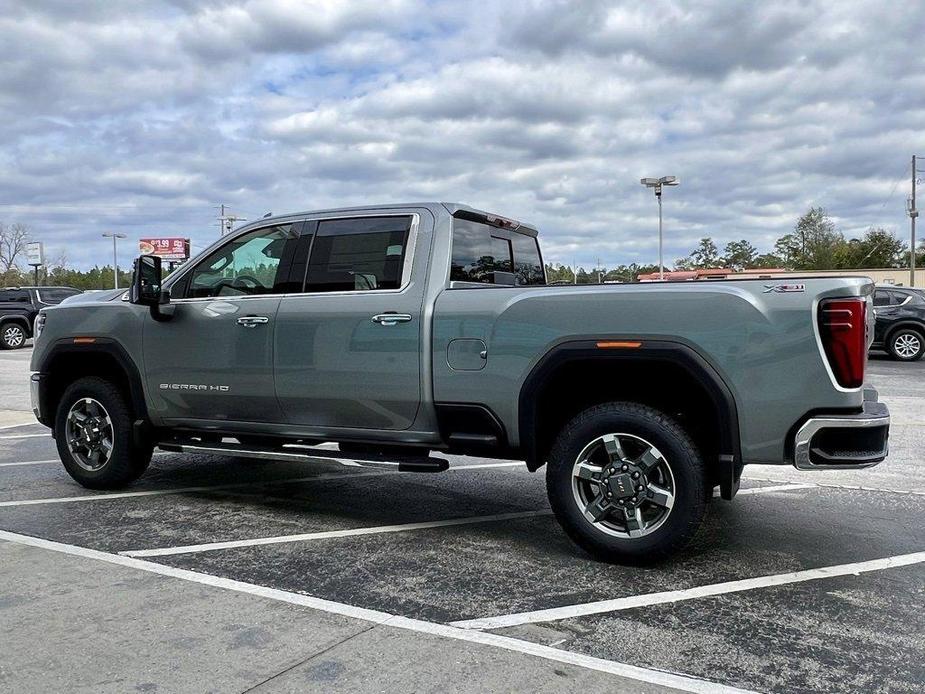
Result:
[
  {"x": 172, "y": 249},
  {"x": 35, "y": 256}
]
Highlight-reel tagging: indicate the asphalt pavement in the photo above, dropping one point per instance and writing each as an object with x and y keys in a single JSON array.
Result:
[{"x": 230, "y": 575}]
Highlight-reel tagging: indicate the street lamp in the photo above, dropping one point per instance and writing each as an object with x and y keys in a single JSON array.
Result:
[
  {"x": 115, "y": 262},
  {"x": 657, "y": 183}
]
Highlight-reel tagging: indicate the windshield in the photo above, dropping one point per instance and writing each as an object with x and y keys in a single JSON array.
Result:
[{"x": 55, "y": 295}]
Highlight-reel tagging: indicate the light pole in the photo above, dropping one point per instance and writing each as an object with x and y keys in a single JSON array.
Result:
[
  {"x": 115, "y": 261},
  {"x": 657, "y": 183}
]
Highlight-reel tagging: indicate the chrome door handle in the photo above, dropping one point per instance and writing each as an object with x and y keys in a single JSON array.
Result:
[
  {"x": 391, "y": 318},
  {"x": 252, "y": 321}
]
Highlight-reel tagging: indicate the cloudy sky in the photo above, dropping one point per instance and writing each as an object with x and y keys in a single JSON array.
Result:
[{"x": 141, "y": 117}]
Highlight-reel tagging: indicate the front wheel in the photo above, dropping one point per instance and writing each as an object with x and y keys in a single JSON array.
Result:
[
  {"x": 907, "y": 344},
  {"x": 93, "y": 432},
  {"x": 627, "y": 483}
]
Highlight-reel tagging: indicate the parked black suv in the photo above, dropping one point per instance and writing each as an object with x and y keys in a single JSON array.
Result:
[
  {"x": 900, "y": 328},
  {"x": 18, "y": 308}
]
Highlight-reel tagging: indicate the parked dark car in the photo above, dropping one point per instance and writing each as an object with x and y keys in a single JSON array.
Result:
[
  {"x": 20, "y": 305},
  {"x": 900, "y": 326}
]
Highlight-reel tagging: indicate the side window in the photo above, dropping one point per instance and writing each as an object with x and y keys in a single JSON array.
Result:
[
  {"x": 477, "y": 253},
  {"x": 358, "y": 254},
  {"x": 248, "y": 265},
  {"x": 528, "y": 267},
  {"x": 882, "y": 298},
  {"x": 19, "y": 296},
  {"x": 899, "y": 298}
]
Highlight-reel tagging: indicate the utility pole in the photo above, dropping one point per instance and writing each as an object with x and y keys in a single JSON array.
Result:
[
  {"x": 226, "y": 221},
  {"x": 913, "y": 213}
]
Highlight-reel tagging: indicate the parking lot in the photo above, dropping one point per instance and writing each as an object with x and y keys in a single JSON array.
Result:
[{"x": 223, "y": 574}]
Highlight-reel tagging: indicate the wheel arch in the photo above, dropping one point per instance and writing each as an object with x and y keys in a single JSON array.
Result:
[
  {"x": 68, "y": 360},
  {"x": 905, "y": 323},
  {"x": 22, "y": 320},
  {"x": 621, "y": 374}
]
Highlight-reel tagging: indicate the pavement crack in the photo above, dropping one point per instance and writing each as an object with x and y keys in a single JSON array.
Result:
[{"x": 310, "y": 658}]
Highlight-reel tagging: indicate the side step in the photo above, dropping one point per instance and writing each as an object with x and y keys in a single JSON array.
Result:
[{"x": 307, "y": 454}]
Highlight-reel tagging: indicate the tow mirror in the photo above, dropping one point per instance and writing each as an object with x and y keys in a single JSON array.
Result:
[{"x": 146, "y": 285}]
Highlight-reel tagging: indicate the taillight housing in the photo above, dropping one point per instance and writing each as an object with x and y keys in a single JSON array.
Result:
[{"x": 843, "y": 328}]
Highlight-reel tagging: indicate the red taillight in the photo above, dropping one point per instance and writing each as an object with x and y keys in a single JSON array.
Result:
[{"x": 843, "y": 329}]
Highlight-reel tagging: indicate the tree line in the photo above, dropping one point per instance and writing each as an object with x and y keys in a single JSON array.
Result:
[
  {"x": 14, "y": 272},
  {"x": 814, "y": 244}
]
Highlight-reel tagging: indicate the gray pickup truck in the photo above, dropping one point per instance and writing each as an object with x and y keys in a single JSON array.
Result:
[{"x": 405, "y": 330}]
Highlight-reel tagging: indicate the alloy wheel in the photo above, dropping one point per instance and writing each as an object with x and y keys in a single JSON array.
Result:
[
  {"x": 14, "y": 336},
  {"x": 907, "y": 345},
  {"x": 623, "y": 485},
  {"x": 89, "y": 434}
]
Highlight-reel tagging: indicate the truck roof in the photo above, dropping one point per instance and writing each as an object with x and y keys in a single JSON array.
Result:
[{"x": 454, "y": 208}]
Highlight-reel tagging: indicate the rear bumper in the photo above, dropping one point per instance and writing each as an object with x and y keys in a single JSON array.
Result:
[{"x": 844, "y": 441}]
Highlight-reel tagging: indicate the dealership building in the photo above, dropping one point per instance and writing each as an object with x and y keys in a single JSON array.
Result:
[{"x": 892, "y": 276}]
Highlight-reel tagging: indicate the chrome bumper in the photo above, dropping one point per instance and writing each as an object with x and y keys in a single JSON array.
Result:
[
  {"x": 34, "y": 385},
  {"x": 844, "y": 442}
]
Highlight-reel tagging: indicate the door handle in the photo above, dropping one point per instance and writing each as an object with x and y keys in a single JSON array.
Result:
[
  {"x": 252, "y": 321},
  {"x": 391, "y": 318}
]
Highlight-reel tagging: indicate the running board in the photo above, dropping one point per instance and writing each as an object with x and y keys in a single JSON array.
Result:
[{"x": 403, "y": 463}]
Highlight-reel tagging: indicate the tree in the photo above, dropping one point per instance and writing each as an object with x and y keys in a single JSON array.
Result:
[
  {"x": 814, "y": 243},
  {"x": 739, "y": 255},
  {"x": 767, "y": 260},
  {"x": 704, "y": 256},
  {"x": 877, "y": 248},
  {"x": 13, "y": 241}
]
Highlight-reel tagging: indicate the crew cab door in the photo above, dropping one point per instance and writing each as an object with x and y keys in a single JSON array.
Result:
[
  {"x": 348, "y": 345},
  {"x": 213, "y": 360}
]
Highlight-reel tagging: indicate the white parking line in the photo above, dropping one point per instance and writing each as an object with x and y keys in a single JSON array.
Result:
[
  {"x": 776, "y": 488},
  {"x": 569, "y": 611},
  {"x": 30, "y": 462},
  {"x": 633, "y": 672},
  {"x": 27, "y": 436},
  {"x": 849, "y": 487},
  {"x": 22, "y": 424},
  {"x": 329, "y": 534},
  {"x": 375, "y": 530},
  {"x": 236, "y": 485}
]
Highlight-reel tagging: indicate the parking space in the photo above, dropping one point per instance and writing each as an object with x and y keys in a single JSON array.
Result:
[{"x": 804, "y": 583}]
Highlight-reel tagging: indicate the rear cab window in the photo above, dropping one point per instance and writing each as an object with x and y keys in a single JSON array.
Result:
[{"x": 481, "y": 250}]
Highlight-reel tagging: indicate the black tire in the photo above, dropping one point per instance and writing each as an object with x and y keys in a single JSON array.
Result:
[
  {"x": 127, "y": 460},
  {"x": 12, "y": 335},
  {"x": 682, "y": 461},
  {"x": 903, "y": 342}
]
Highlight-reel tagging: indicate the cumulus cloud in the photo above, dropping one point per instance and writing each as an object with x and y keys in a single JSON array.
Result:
[{"x": 142, "y": 117}]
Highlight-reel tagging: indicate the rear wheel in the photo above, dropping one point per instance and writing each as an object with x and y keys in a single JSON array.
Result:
[
  {"x": 627, "y": 483},
  {"x": 907, "y": 344},
  {"x": 93, "y": 432},
  {"x": 12, "y": 336}
]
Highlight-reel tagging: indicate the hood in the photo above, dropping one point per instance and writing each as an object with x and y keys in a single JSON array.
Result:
[{"x": 94, "y": 297}]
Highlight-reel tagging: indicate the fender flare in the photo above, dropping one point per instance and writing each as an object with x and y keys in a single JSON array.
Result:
[
  {"x": 102, "y": 345},
  {"x": 899, "y": 325},
  {"x": 730, "y": 456},
  {"x": 15, "y": 318}
]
